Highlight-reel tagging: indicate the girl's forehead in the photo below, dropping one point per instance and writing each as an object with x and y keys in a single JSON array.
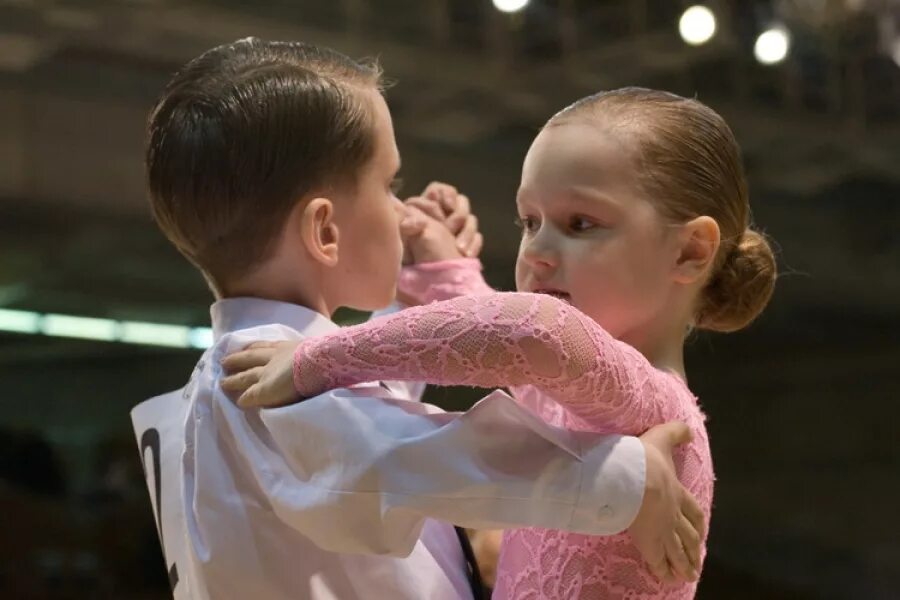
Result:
[{"x": 576, "y": 154}]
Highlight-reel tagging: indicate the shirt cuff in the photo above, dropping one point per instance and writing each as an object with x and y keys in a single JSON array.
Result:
[{"x": 612, "y": 485}]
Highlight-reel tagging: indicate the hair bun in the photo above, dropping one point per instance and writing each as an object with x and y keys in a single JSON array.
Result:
[{"x": 741, "y": 288}]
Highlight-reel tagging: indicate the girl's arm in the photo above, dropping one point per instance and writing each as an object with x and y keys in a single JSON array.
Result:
[
  {"x": 442, "y": 280},
  {"x": 498, "y": 339}
]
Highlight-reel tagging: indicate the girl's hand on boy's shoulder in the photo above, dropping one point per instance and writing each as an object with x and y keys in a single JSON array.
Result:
[{"x": 261, "y": 375}]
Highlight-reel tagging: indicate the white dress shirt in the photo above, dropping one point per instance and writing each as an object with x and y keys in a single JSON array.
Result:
[{"x": 333, "y": 497}]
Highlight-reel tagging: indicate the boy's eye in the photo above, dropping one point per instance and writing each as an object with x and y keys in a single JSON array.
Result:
[
  {"x": 526, "y": 223},
  {"x": 396, "y": 185}
]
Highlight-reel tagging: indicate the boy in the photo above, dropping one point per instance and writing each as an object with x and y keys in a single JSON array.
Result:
[{"x": 270, "y": 168}]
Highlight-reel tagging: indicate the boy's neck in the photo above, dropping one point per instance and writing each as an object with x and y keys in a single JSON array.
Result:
[{"x": 294, "y": 285}]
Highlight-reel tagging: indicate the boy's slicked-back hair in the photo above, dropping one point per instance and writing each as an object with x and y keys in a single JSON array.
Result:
[
  {"x": 689, "y": 163},
  {"x": 244, "y": 131}
]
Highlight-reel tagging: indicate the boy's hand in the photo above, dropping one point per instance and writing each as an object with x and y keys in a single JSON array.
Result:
[
  {"x": 261, "y": 375},
  {"x": 670, "y": 526}
]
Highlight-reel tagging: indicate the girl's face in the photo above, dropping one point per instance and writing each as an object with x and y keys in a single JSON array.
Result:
[{"x": 589, "y": 234}]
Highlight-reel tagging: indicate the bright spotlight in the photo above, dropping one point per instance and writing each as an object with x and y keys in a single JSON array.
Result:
[
  {"x": 772, "y": 46},
  {"x": 697, "y": 25},
  {"x": 510, "y": 6}
]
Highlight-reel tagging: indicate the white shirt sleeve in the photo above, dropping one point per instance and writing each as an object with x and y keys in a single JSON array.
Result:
[{"x": 358, "y": 471}]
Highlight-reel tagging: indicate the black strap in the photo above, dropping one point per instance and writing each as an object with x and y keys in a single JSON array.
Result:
[{"x": 471, "y": 565}]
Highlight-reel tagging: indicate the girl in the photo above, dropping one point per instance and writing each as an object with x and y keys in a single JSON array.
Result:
[{"x": 635, "y": 218}]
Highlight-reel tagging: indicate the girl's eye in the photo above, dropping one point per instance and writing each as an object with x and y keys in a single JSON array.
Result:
[
  {"x": 526, "y": 223},
  {"x": 579, "y": 224},
  {"x": 396, "y": 185}
]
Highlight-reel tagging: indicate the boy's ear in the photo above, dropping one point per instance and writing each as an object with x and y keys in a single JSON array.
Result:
[
  {"x": 319, "y": 232},
  {"x": 698, "y": 241}
]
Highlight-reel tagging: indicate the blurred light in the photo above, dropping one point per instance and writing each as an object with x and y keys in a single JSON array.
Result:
[
  {"x": 772, "y": 46},
  {"x": 107, "y": 330},
  {"x": 510, "y": 6},
  {"x": 895, "y": 51},
  {"x": 19, "y": 321},
  {"x": 87, "y": 328},
  {"x": 697, "y": 25},
  {"x": 154, "y": 334},
  {"x": 201, "y": 337}
]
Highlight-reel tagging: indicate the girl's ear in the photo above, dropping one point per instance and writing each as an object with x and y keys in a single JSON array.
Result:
[{"x": 699, "y": 242}]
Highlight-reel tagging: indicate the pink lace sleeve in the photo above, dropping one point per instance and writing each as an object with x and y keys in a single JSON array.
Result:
[
  {"x": 497, "y": 339},
  {"x": 443, "y": 280}
]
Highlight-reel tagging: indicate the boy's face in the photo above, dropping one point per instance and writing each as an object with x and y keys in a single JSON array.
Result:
[{"x": 370, "y": 246}]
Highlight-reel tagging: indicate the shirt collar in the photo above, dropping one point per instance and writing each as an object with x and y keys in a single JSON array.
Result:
[{"x": 233, "y": 314}]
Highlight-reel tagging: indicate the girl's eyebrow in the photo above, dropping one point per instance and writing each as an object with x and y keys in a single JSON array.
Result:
[
  {"x": 587, "y": 195},
  {"x": 583, "y": 197}
]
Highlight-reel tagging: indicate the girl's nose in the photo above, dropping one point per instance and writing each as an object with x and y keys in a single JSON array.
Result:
[{"x": 540, "y": 253}]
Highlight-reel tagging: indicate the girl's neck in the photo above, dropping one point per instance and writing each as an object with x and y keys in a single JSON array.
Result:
[{"x": 662, "y": 343}]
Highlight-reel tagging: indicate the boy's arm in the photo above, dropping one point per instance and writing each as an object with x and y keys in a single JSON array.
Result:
[
  {"x": 359, "y": 473},
  {"x": 493, "y": 452}
]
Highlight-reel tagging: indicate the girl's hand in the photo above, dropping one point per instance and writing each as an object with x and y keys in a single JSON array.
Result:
[{"x": 261, "y": 375}]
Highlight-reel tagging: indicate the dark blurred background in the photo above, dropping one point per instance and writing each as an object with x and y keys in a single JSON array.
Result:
[{"x": 803, "y": 406}]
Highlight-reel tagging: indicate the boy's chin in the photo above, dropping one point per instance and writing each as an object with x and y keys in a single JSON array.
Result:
[{"x": 374, "y": 303}]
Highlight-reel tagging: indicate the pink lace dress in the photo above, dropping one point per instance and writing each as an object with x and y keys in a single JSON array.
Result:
[{"x": 555, "y": 360}]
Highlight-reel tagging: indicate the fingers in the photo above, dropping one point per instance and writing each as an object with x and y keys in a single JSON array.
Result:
[
  {"x": 240, "y": 382},
  {"x": 432, "y": 209},
  {"x": 250, "y": 398},
  {"x": 690, "y": 541},
  {"x": 668, "y": 435},
  {"x": 440, "y": 192},
  {"x": 691, "y": 510},
  {"x": 260, "y": 396},
  {"x": 677, "y": 557},
  {"x": 261, "y": 344},
  {"x": 413, "y": 223},
  {"x": 475, "y": 247},
  {"x": 411, "y": 226},
  {"x": 659, "y": 566},
  {"x": 678, "y": 433},
  {"x": 467, "y": 235},
  {"x": 461, "y": 212},
  {"x": 255, "y": 355}
]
